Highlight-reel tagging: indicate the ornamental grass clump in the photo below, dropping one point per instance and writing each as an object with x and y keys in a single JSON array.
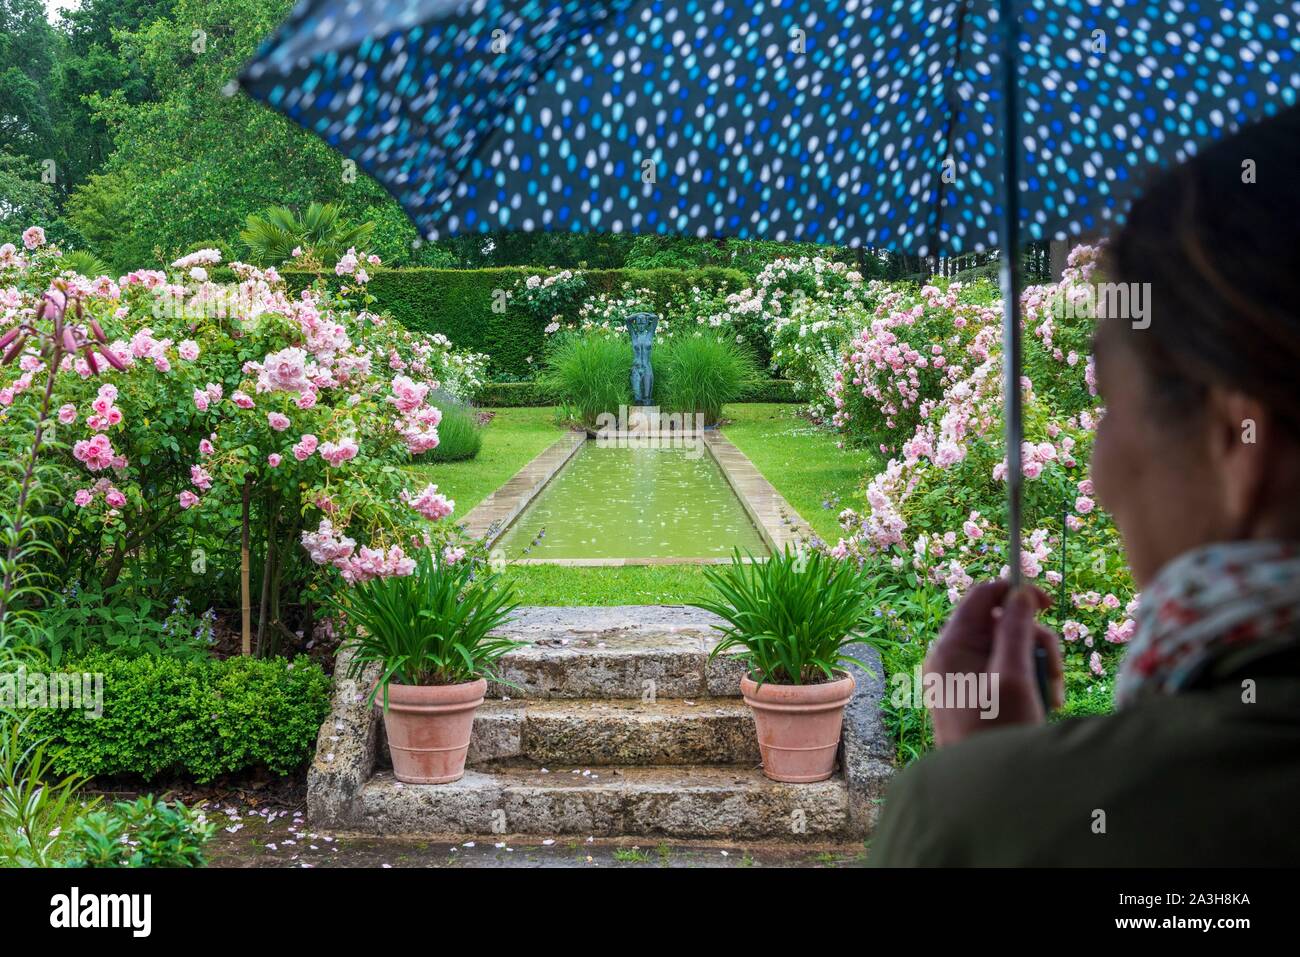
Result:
[
  {"x": 591, "y": 374},
  {"x": 430, "y": 627},
  {"x": 794, "y": 616},
  {"x": 701, "y": 373}
]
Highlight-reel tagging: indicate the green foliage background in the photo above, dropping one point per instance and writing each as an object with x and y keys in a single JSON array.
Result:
[{"x": 459, "y": 303}]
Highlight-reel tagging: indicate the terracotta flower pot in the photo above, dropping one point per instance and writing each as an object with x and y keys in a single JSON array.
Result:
[
  {"x": 798, "y": 726},
  {"x": 428, "y": 729}
]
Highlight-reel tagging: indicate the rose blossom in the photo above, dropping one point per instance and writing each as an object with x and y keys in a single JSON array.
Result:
[
  {"x": 430, "y": 503},
  {"x": 338, "y": 453},
  {"x": 277, "y": 420},
  {"x": 303, "y": 450}
]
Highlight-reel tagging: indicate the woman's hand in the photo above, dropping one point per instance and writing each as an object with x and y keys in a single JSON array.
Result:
[{"x": 992, "y": 634}]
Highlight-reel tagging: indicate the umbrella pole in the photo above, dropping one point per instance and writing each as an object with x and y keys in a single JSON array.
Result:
[
  {"x": 1011, "y": 358},
  {"x": 1010, "y": 276}
]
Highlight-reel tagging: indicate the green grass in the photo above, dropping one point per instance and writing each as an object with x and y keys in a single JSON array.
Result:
[
  {"x": 801, "y": 460},
  {"x": 629, "y": 585},
  {"x": 798, "y": 458}
]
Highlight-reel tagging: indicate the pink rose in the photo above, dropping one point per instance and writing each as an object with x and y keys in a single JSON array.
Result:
[
  {"x": 201, "y": 400},
  {"x": 115, "y": 498},
  {"x": 187, "y": 499},
  {"x": 277, "y": 420},
  {"x": 188, "y": 350},
  {"x": 67, "y": 414},
  {"x": 274, "y": 460},
  {"x": 304, "y": 448},
  {"x": 430, "y": 503},
  {"x": 284, "y": 371},
  {"x": 33, "y": 237},
  {"x": 1083, "y": 505},
  {"x": 83, "y": 497},
  {"x": 338, "y": 453},
  {"x": 243, "y": 400}
]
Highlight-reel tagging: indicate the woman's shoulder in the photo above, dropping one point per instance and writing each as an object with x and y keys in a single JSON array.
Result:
[{"x": 1156, "y": 783}]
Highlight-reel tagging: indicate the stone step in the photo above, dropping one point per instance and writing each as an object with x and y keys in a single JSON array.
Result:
[
  {"x": 564, "y": 735},
  {"x": 671, "y": 802},
  {"x": 628, "y": 652},
  {"x": 628, "y": 696}
]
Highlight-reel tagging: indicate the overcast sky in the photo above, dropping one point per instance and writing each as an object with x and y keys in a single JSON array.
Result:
[{"x": 52, "y": 8}]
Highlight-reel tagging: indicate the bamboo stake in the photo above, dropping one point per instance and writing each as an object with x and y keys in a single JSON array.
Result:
[{"x": 243, "y": 577}]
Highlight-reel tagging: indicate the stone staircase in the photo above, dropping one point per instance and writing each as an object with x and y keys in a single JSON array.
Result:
[{"x": 618, "y": 725}]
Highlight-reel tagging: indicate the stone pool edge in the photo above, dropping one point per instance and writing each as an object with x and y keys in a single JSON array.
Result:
[
  {"x": 775, "y": 519},
  {"x": 489, "y": 519}
]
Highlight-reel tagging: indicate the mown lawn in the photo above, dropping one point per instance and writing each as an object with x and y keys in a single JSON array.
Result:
[{"x": 802, "y": 461}]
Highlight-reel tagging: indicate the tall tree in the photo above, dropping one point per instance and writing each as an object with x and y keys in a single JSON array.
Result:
[{"x": 190, "y": 165}]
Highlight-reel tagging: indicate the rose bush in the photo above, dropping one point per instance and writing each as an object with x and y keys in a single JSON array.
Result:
[
  {"x": 936, "y": 510},
  {"x": 236, "y": 407}
]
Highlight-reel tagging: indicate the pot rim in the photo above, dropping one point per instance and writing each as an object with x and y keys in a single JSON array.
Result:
[
  {"x": 841, "y": 688},
  {"x": 463, "y": 691}
]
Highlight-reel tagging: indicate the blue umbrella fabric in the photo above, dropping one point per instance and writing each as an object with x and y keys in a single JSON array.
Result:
[{"x": 830, "y": 121}]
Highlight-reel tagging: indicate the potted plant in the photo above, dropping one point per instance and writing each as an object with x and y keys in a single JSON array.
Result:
[
  {"x": 430, "y": 633},
  {"x": 794, "y": 615}
]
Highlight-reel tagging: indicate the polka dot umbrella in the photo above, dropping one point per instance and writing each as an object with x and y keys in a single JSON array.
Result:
[{"x": 835, "y": 121}]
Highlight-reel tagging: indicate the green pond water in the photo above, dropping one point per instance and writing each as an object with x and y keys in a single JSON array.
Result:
[{"x": 634, "y": 503}]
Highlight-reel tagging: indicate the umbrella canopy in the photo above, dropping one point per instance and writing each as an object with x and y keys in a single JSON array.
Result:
[
  {"x": 819, "y": 120},
  {"x": 919, "y": 126}
]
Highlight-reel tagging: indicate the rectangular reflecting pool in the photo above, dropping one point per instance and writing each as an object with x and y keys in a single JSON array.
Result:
[{"x": 634, "y": 503}]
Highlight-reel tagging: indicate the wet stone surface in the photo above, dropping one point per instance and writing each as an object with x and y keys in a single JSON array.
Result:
[{"x": 253, "y": 836}]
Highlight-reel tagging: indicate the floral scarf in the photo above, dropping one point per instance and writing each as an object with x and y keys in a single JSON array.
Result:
[{"x": 1215, "y": 600}]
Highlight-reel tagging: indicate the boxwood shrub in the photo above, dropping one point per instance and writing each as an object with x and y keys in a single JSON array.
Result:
[{"x": 198, "y": 718}]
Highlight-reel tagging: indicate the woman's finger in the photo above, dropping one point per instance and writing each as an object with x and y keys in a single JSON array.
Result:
[
  {"x": 970, "y": 622},
  {"x": 1015, "y": 637}
]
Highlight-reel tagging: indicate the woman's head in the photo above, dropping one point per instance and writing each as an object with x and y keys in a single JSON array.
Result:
[{"x": 1201, "y": 438}]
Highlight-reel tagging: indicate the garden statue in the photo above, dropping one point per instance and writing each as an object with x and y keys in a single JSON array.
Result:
[{"x": 641, "y": 327}]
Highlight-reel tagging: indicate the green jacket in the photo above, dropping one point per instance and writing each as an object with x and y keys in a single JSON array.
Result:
[{"x": 1201, "y": 778}]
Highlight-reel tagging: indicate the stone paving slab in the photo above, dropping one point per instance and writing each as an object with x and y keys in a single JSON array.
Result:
[{"x": 701, "y": 802}]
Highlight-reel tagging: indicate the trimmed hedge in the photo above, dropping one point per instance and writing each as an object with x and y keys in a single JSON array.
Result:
[
  {"x": 197, "y": 718},
  {"x": 459, "y": 303},
  {"x": 512, "y": 395},
  {"x": 772, "y": 390}
]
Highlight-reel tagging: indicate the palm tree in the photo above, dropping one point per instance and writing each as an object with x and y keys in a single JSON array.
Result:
[{"x": 272, "y": 236}]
